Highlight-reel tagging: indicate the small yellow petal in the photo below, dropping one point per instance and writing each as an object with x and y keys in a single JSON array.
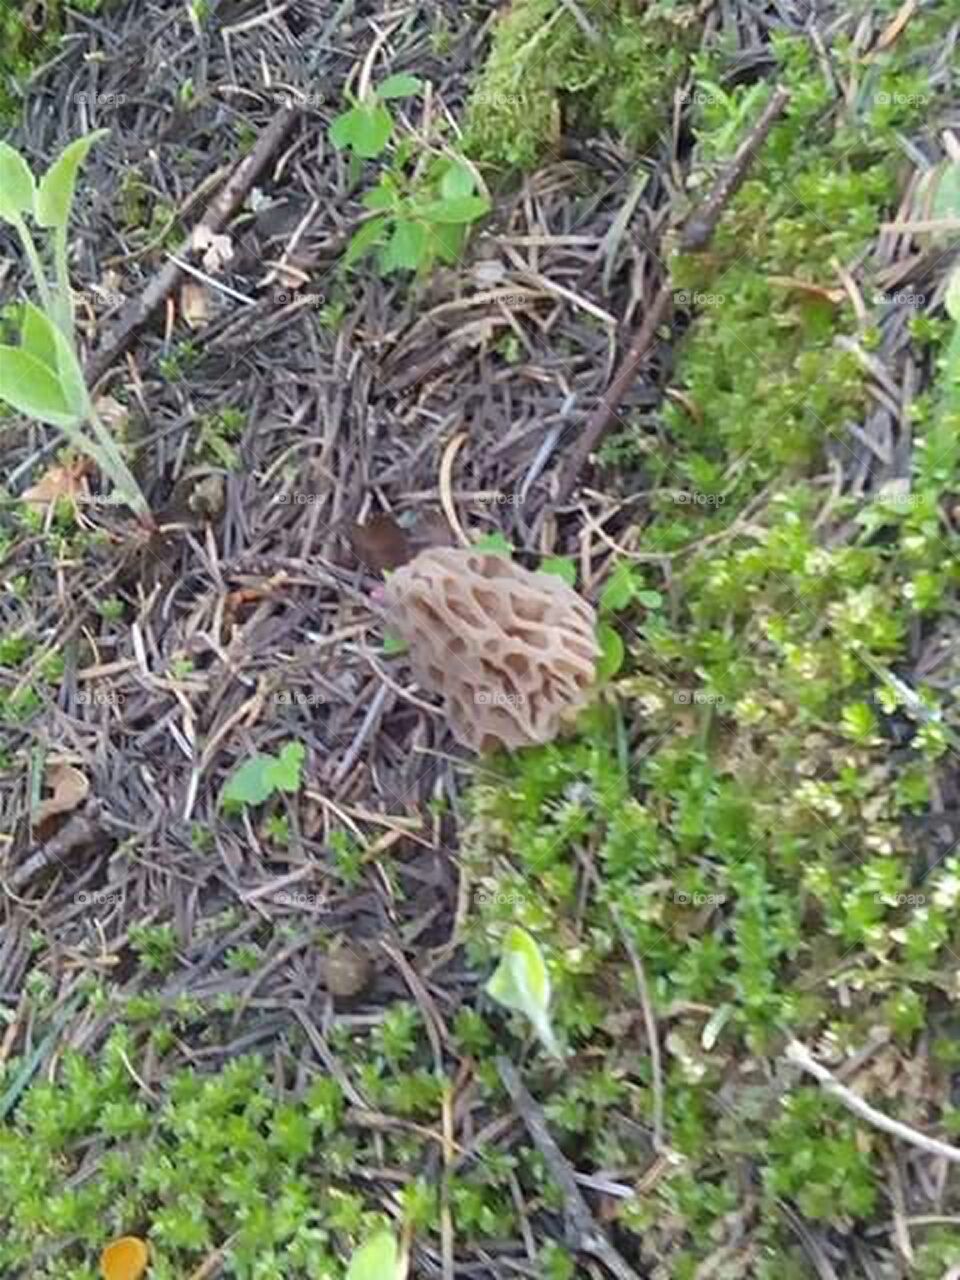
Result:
[{"x": 124, "y": 1259}]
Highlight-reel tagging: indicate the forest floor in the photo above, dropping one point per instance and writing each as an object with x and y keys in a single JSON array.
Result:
[{"x": 254, "y": 1034}]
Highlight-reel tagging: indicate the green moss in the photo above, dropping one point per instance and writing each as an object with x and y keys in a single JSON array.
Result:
[
  {"x": 762, "y": 839},
  {"x": 545, "y": 78},
  {"x": 23, "y": 48}
]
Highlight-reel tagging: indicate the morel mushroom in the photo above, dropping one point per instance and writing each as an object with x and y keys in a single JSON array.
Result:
[{"x": 511, "y": 651}]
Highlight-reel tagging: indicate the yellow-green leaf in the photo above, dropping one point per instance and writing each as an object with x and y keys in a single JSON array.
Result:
[
  {"x": 40, "y": 337},
  {"x": 17, "y": 186},
  {"x": 55, "y": 192},
  {"x": 29, "y": 387},
  {"x": 521, "y": 982},
  {"x": 377, "y": 1259}
]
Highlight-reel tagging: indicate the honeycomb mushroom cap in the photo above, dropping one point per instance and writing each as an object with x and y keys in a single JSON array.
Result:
[{"x": 511, "y": 651}]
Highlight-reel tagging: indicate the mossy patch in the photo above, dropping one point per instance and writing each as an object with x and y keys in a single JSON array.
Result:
[
  {"x": 547, "y": 76},
  {"x": 29, "y": 33}
]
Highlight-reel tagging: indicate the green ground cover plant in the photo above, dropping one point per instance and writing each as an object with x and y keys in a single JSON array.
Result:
[
  {"x": 764, "y": 859},
  {"x": 41, "y": 375}
]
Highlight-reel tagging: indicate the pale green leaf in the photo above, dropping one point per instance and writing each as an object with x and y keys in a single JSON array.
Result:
[
  {"x": 384, "y": 196},
  {"x": 31, "y": 388},
  {"x": 57, "y": 186},
  {"x": 620, "y": 588},
  {"x": 17, "y": 186},
  {"x": 285, "y": 774},
  {"x": 393, "y": 645},
  {"x": 262, "y": 775},
  {"x": 37, "y": 336},
  {"x": 611, "y": 651},
  {"x": 447, "y": 240},
  {"x": 406, "y": 248},
  {"x": 364, "y": 129},
  {"x": 252, "y": 783},
  {"x": 399, "y": 86},
  {"x": 377, "y": 1259},
  {"x": 521, "y": 983},
  {"x": 561, "y": 567},
  {"x": 458, "y": 209},
  {"x": 494, "y": 542},
  {"x": 40, "y": 337},
  {"x": 370, "y": 234},
  {"x": 457, "y": 181}
]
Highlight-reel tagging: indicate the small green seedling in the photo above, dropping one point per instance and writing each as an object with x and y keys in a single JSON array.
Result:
[
  {"x": 41, "y": 376},
  {"x": 420, "y": 220},
  {"x": 612, "y": 652},
  {"x": 367, "y": 127},
  {"x": 495, "y": 543},
  {"x": 393, "y": 645},
  {"x": 624, "y": 587},
  {"x": 521, "y": 982},
  {"x": 262, "y": 776},
  {"x": 377, "y": 1259},
  {"x": 562, "y": 567}
]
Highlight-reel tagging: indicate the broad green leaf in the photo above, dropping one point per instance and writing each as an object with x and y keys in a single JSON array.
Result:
[
  {"x": 611, "y": 651},
  {"x": 392, "y": 645},
  {"x": 29, "y": 387},
  {"x": 384, "y": 196},
  {"x": 262, "y": 775},
  {"x": 370, "y": 234},
  {"x": 620, "y": 589},
  {"x": 57, "y": 186},
  {"x": 447, "y": 240},
  {"x": 37, "y": 336},
  {"x": 650, "y": 599},
  {"x": 286, "y": 771},
  {"x": 457, "y": 209},
  {"x": 561, "y": 567},
  {"x": 40, "y": 337},
  {"x": 377, "y": 1259},
  {"x": 364, "y": 129},
  {"x": 406, "y": 248},
  {"x": 521, "y": 982},
  {"x": 252, "y": 783},
  {"x": 457, "y": 181},
  {"x": 17, "y": 186},
  {"x": 399, "y": 86},
  {"x": 494, "y": 542}
]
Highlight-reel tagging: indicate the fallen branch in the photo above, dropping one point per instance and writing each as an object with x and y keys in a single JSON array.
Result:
[
  {"x": 695, "y": 236},
  {"x": 802, "y": 1057},
  {"x": 235, "y": 190},
  {"x": 582, "y": 1232}
]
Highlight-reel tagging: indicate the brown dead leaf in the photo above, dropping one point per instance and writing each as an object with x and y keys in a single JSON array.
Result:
[
  {"x": 58, "y": 482},
  {"x": 383, "y": 544},
  {"x": 194, "y": 304},
  {"x": 217, "y": 249},
  {"x": 112, "y": 414},
  {"x": 380, "y": 544},
  {"x": 70, "y": 788}
]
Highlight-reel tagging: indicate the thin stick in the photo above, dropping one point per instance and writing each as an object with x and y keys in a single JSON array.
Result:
[
  {"x": 139, "y": 310},
  {"x": 699, "y": 228},
  {"x": 695, "y": 236},
  {"x": 798, "y": 1054},
  {"x": 653, "y": 1039},
  {"x": 582, "y": 1231}
]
